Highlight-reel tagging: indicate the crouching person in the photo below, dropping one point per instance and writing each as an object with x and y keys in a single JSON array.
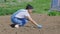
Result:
[{"x": 22, "y": 16}]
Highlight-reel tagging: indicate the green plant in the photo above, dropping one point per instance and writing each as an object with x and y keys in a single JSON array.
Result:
[{"x": 54, "y": 13}]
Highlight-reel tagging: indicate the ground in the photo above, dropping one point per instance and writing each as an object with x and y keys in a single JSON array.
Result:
[{"x": 51, "y": 25}]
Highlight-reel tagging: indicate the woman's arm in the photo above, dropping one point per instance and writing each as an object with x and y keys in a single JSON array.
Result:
[{"x": 30, "y": 19}]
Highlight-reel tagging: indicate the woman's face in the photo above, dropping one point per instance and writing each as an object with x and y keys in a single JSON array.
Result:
[{"x": 30, "y": 10}]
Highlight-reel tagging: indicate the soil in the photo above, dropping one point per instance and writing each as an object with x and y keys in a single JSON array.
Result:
[{"x": 51, "y": 25}]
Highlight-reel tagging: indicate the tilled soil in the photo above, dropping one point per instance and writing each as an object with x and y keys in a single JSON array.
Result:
[{"x": 51, "y": 25}]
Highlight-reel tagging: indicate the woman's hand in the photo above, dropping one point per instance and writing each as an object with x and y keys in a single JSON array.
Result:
[{"x": 39, "y": 26}]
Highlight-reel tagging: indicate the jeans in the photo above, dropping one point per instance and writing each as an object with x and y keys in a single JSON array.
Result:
[{"x": 19, "y": 21}]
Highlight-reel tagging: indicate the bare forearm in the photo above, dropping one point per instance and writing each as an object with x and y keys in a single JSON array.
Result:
[
  {"x": 34, "y": 23},
  {"x": 30, "y": 19}
]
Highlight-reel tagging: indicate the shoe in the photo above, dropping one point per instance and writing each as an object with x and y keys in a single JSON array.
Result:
[{"x": 16, "y": 26}]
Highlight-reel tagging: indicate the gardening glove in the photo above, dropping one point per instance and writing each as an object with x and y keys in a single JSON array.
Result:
[{"x": 39, "y": 26}]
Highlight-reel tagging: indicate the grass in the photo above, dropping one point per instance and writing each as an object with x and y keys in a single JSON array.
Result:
[
  {"x": 11, "y": 6},
  {"x": 54, "y": 13}
]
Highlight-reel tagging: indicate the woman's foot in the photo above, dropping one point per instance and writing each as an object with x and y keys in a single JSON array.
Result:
[{"x": 16, "y": 26}]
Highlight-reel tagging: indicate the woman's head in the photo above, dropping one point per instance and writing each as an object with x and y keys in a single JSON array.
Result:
[{"x": 29, "y": 8}]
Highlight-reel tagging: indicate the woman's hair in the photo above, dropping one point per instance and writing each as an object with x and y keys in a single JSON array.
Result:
[{"x": 29, "y": 6}]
